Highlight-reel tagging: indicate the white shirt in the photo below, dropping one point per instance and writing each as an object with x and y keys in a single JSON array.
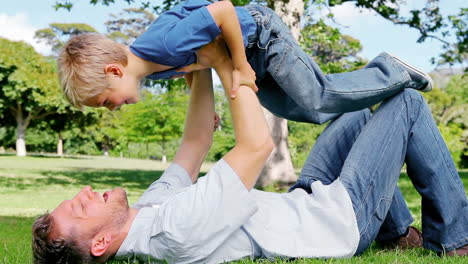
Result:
[{"x": 217, "y": 220}]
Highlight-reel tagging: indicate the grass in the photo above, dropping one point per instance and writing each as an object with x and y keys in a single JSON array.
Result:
[{"x": 31, "y": 185}]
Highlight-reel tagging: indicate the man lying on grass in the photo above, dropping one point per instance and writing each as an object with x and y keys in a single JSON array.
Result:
[{"x": 346, "y": 196}]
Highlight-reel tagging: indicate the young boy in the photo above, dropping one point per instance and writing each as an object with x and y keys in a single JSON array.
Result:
[{"x": 96, "y": 71}]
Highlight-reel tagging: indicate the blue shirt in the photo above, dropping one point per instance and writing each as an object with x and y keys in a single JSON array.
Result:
[{"x": 177, "y": 34}]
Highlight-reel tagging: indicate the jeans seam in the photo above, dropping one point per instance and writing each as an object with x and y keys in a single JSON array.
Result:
[
  {"x": 283, "y": 56},
  {"x": 374, "y": 212},
  {"x": 361, "y": 92},
  {"x": 358, "y": 215}
]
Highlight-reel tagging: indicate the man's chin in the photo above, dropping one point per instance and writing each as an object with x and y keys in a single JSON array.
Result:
[{"x": 120, "y": 196}]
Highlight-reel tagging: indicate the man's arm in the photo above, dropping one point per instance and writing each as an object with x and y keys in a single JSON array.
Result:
[
  {"x": 198, "y": 131},
  {"x": 253, "y": 140}
]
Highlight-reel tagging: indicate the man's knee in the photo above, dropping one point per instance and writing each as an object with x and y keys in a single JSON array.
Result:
[
  {"x": 361, "y": 116},
  {"x": 411, "y": 94}
]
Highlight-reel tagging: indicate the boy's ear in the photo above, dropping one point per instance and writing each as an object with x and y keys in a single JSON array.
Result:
[
  {"x": 113, "y": 69},
  {"x": 100, "y": 244}
]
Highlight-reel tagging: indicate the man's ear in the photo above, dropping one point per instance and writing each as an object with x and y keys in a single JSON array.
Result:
[
  {"x": 113, "y": 69},
  {"x": 100, "y": 244}
]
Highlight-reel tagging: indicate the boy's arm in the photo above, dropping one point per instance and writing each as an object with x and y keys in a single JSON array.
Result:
[
  {"x": 198, "y": 131},
  {"x": 253, "y": 140},
  {"x": 225, "y": 16}
]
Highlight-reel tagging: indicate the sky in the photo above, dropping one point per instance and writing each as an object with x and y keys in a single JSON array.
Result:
[{"x": 19, "y": 19}]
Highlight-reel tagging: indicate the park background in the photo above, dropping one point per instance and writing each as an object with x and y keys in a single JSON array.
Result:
[{"x": 48, "y": 150}]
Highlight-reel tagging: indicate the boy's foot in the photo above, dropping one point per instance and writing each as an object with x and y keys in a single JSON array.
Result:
[
  {"x": 421, "y": 80},
  {"x": 412, "y": 239},
  {"x": 463, "y": 251}
]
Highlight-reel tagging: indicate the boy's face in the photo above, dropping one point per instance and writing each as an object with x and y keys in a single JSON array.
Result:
[{"x": 123, "y": 89}]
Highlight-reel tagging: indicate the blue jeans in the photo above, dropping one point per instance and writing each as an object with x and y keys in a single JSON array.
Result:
[
  {"x": 292, "y": 86},
  {"x": 367, "y": 153}
]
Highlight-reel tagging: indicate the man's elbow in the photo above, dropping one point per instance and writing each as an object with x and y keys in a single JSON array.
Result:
[{"x": 262, "y": 148}]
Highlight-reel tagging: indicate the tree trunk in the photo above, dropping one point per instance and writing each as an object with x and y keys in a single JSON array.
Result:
[
  {"x": 105, "y": 150},
  {"x": 60, "y": 145},
  {"x": 164, "y": 157},
  {"x": 291, "y": 12},
  {"x": 278, "y": 167},
  {"x": 21, "y": 124}
]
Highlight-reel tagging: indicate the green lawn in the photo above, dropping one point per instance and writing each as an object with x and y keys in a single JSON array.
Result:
[{"x": 29, "y": 186}]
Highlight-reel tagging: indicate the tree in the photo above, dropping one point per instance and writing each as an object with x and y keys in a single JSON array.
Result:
[
  {"x": 331, "y": 50},
  {"x": 66, "y": 120},
  {"x": 126, "y": 30},
  {"x": 428, "y": 21},
  {"x": 57, "y": 34},
  {"x": 29, "y": 85},
  {"x": 157, "y": 118}
]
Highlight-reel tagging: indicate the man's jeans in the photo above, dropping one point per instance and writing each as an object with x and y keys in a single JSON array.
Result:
[
  {"x": 367, "y": 153},
  {"x": 292, "y": 86}
]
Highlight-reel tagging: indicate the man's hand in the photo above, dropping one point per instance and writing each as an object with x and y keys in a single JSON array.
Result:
[
  {"x": 209, "y": 56},
  {"x": 244, "y": 75},
  {"x": 215, "y": 54}
]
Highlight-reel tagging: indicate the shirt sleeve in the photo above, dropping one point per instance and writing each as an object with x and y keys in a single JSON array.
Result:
[
  {"x": 198, "y": 220},
  {"x": 189, "y": 34},
  {"x": 174, "y": 179}
]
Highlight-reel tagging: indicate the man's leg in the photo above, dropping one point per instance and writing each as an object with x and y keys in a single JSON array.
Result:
[
  {"x": 326, "y": 160},
  {"x": 329, "y": 152},
  {"x": 403, "y": 128}
]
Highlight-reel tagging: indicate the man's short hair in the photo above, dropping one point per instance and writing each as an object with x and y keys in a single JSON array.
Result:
[
  {"x": 59, "y": 250},
  {"x": 81, "y": 64}
]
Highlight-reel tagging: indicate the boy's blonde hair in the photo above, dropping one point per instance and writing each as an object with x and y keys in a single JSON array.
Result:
[{"x": 81, "y": 65}]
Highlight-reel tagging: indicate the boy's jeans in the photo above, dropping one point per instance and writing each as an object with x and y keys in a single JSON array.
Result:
[
  {"x": 291, "y": 84},
  {"x": 367, "y": 153}
]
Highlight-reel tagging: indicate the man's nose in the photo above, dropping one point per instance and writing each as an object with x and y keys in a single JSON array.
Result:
[{"x": 87, "y": 191}]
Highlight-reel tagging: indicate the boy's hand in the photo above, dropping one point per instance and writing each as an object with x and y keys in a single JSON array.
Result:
[{"x": 243, "y": 75}]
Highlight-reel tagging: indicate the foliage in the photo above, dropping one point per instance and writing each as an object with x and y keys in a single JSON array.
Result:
[
  {"x": 302, "y": 137},
  {"x": 452, "y": 135},
  {"x": 429, "y": 21},
  {"x": 30, "y": 89},
  {"x": 126, "y": 30},
  {"x": 333, "y": 51},
  {"x": 449, "y": 108},
  {"x": 223, "y": 138},
  {"x": 58, "y": 33},
  {"x": 158, "y": 118},
  {"x": 27, "y": 79}
]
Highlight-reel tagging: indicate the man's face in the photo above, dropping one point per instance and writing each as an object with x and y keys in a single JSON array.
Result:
[{"x": 90, "y": 211}]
